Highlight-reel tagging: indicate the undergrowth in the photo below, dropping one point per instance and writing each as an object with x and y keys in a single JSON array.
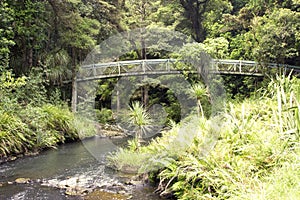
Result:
[
  {"x": 31, "y": 122},
  {"x": 250, "y": 151}
]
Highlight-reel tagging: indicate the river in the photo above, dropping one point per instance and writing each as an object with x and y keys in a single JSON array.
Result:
[{"x": 79, "y": 159}]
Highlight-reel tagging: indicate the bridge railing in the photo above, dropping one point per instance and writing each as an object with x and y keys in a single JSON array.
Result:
[
  {"x": 114, "y": 69},
  {"x": 167, "y": 66},
  {"x": 239, "y": 66}
]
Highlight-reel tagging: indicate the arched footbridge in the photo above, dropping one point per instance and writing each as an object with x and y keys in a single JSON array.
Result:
[
  {"x": 159, "y": 67},
  {"x": 173, "y": 66}
]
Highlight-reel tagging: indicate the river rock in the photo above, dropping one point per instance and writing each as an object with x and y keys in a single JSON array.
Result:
[
  {"x": 108, "y": 130},
  {"x": 77, "y": 191},
  {"x": 71, "y": 182},
  {"x": 104, "y": 195},
  {"x": 78, "y": 185},
  {"x": 34, "y": 153},
  {"x": 132, "y": 182},
  {"x": 22, "y": 180},
  {"x": 85, "y": 184},
  {"x": 129, "y": 169}
]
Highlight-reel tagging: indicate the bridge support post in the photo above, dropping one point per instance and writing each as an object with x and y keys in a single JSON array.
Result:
[
  {"x": 240, "y": 69},
  {"x": 118, "y": 98},
  {"x": 74, "y": 95}
]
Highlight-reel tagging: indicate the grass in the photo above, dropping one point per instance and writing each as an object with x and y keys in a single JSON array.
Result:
[
  {"x": 250, "y": 151},
  {"x": 34, "y": 128},
  {"x": 31, "y": 120}
]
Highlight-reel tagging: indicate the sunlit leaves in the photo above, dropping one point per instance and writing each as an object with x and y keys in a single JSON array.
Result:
[
  {"x": 6, "y": 33},
  {"x": 278, "y": 36},
  {"x": 9, "y": 82}
]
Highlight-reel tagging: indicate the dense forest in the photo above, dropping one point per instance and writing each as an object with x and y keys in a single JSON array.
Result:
[
  {"x": 55, "y": 36},
  {"x": 43, "y": 43}
]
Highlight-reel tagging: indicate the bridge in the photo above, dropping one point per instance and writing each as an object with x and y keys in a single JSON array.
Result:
[
  {"x": 173, "y": 66},
  {"x": 89, "y": 73}
]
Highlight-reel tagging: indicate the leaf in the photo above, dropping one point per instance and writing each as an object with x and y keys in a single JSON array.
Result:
[{"x": 21, "y": 136}]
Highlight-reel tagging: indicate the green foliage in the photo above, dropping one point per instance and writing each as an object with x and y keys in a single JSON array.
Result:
[
  {"x": 138, "y": 115},
  {"x": 217, "y": 47},
  {"x": 56, "y": 66},
  {"x": 255, "y": 152},
  {"x": 166, "y": 149},
  {"x": 198, "y": 53},
  {"x": 138, "y": 13},
  {"x": 9, "y": 82},
  {"x": 78, "y": 31},
  {"x": 34, "y": 128},
  {"x": 104, "y": 115},
  {"x": 6, "y": 33},
  {"x": 278, "y": 36},
  {"x": 125, "y": 160},
  {"x": 57, "y": 35},
  {"x": 28, "y": 122},
  {"x": 140, "y": 118},
  {"x": 239, "y": 87},
  {"x": 199, "y": 91}
]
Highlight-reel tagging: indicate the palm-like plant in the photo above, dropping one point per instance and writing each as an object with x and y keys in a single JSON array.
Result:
[
  {"x": 199, "y": 90},
  {"x": 140, "y": 118}
]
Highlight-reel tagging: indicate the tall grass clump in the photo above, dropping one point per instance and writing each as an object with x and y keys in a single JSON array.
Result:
[
  {"x": 34, "y": 128},
  {"x": 30, "y": 123},
  {"x": 251, "y": 153}
]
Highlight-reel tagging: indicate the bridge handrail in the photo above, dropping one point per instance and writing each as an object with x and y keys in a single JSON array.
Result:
[
  {"x": 128, "y": 62},
  {"x": 215, "y": 61}
]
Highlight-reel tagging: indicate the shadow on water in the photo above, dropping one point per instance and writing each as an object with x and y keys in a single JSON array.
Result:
[{"x": 85, "y": 157}]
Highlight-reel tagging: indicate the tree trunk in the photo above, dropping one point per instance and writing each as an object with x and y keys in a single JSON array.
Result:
[{"x": 194, "y": 11}]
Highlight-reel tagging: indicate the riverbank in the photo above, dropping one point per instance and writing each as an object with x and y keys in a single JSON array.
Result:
[
  {"x": 32, "y": 129},
  {"x": 95, "y": 129},
  {"x": 249, "y": 151}
]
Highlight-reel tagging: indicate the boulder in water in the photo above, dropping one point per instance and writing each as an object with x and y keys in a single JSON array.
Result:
[
  {"x": 103, "y": 195},
  {"x": 22, "y": 180}
]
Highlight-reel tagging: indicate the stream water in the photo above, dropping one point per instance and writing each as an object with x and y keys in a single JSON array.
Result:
[{"x": 69, "y": 160}]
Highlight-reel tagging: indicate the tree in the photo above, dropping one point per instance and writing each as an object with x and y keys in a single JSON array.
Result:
[
  {"x": 277, "y": 37},
  {"x": 30, "y": 29},
  {"x": 75, "y": 31},
  {"x": 194, "y": 13},
  {"x": 137, "y": 15}
]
